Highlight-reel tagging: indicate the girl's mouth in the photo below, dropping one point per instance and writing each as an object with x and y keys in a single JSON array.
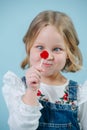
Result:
[{"x": 47, "y": 64}]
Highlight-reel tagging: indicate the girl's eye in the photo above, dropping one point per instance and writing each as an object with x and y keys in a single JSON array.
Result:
[
  {"x": 40, "y": 47},
  {"x": 57, "y": 49}
]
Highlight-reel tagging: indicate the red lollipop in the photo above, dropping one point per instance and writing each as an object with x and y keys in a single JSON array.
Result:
[{"x": 44, "y": 55}]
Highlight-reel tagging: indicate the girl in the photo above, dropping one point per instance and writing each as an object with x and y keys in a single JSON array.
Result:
[{"x": 44, "y": 99}]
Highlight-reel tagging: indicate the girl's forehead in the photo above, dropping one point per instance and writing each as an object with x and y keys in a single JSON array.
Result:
[{"x": 49, "y": 34}]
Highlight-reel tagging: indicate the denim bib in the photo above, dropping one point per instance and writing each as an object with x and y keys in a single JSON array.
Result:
[{"x": 60, "y": 116}]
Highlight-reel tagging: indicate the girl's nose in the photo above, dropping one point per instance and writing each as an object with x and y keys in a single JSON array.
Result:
[{"x": 51, "y": 56}]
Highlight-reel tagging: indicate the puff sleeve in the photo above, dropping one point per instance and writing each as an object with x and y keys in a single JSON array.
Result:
[{"x": 82, "y": 103}]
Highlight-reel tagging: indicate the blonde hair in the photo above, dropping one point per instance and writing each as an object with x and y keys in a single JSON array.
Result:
[{"x": 65, "y": 27}]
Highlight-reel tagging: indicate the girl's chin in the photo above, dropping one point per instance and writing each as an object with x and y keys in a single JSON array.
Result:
[{"x": 46, "y": 74}]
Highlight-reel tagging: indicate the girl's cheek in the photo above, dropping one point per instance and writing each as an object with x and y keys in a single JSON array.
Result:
[
  {"x": 60, "y": 60},
  {"x": 57, "y": 60},
  {"x": 34, "y": 59}
]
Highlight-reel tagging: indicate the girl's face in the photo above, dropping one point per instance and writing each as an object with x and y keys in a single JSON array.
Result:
[{"x": 49, "y": 39}]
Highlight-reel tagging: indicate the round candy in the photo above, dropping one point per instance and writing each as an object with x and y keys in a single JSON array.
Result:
[{"x": 44, "y": 54}]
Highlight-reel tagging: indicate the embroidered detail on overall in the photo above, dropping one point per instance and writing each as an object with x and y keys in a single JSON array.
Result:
[{"x": 60, "y": 116}]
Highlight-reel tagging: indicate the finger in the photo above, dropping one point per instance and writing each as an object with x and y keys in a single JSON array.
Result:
[
  {"x": 39, "y": 68},
  {"x": 33, "y": 71},
  {"x": 32, "y": 81},
  {"x": 36, "y": 75}
]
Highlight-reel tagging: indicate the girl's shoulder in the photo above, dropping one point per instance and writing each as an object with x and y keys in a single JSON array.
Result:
[{"x": 10, "y": 79}]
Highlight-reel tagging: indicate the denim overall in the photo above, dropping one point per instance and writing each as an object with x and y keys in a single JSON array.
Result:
[{"x": 60, "y": 116}]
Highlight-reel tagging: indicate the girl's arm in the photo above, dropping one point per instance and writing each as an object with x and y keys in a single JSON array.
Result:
[{"x": 22, "y": 115}]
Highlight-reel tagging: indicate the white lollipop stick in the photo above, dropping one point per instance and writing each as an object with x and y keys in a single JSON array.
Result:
[{"x": 44, "y": 55}]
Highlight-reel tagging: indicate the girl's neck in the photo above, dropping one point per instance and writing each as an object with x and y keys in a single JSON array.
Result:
[{"x": 57, "y": 79}]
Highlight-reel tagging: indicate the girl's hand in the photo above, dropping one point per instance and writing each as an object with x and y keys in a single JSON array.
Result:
[{"x": 33, "y": 77}]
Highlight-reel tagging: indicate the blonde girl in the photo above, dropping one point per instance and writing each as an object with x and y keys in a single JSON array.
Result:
[{"x": 44, "y": 99}]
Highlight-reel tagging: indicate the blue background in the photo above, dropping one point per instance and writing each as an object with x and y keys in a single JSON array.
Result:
[{"x": 15, "y": 17}]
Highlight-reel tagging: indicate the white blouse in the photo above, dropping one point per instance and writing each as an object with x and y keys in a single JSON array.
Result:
[{"x": 25, "y": 117}]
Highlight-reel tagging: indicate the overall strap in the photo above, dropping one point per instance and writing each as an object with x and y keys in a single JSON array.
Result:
[
  {"x": 73, "y": 86},
  {"x": 24, "y": 80}
]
